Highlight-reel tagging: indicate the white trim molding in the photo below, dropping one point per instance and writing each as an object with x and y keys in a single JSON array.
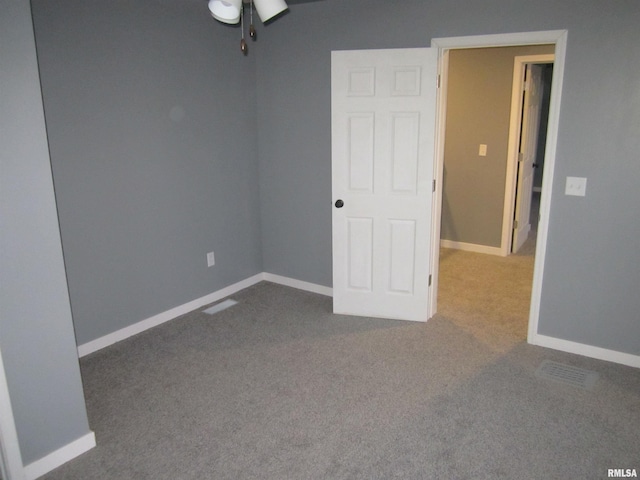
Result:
[
  {"x": 536, "y": 339},
  {"x": 472, "y": 247},
  {"x": 586, "y": 350},
  {"x": 141, "y": 326},
  {"x": 499, "y": 39},
  {"x": 11, "y": 467},
  {"x": 59, "y": 457},
  {"x": 299, "y": 284},
  {"x": 559, "y": 39}
]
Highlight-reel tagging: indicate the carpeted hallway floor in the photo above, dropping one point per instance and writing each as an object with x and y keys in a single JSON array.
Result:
[
  {"x": 486, "y": 295},
  {"x": 276, "y": 387}
]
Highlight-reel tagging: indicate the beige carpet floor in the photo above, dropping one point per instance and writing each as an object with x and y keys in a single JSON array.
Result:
[{"x": 486, "y": 295}]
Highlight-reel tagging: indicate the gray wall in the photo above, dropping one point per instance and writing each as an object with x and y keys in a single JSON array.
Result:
[
  {"x": 150, "y": 109},
  {"x": 144, "y": 191},
  {"x": 36, "y": 331},
  {"x": 478, "y": 111},
  {"x": 591, "y": 276},
  {"x": 157, "y": 159}
]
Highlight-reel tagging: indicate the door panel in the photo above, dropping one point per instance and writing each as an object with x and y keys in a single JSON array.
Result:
[
  {"x": 383, "y": 130},
  {"x": 402, "y": 251},
  {"x": 361, "y": 136},
  {"x": 360, "y": 268},
  {"x": 404, "y": 159}
]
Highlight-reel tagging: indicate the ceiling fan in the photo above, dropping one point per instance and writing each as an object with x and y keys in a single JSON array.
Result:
[{"x": 232, "y": 12}]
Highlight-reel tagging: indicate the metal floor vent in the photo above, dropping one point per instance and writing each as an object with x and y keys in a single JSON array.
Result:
[
  {"x": 566, "y": 374},
  {"x": 218, "y": 307}
]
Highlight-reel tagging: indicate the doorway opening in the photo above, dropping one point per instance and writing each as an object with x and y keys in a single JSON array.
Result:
[
  {"x": 446, "y": 46},
  {"x": 489, "y": 218}
]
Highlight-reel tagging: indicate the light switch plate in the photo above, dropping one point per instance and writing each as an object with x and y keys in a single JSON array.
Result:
[
  {"x": 576, "y": 186},
  {"x": 482, "y": 151}
]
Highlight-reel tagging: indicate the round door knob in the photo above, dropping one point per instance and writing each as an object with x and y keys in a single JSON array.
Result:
[{"x": 339, "y": 203}]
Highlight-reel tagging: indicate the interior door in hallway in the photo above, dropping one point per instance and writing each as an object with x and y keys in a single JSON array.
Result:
[
  {"x": 383, "y": 130},
  {"x": 532, "y": 104}
]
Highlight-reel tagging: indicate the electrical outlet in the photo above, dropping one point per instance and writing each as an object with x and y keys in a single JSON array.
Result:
[
  {"x": 211, "y": 259},
  {"x": 482, "y": 151},
  {"x": 576, "y": 186}
]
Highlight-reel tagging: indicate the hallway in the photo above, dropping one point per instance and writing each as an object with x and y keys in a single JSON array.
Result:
[{"x": 487, "y": 295}]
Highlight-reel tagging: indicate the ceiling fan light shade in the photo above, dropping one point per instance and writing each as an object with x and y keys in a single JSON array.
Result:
[
  {"x": 226, "y": 11},
  {"x": 267, "y": 9}
]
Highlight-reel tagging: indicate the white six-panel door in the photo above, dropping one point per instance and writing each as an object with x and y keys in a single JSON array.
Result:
[{"x": 383, "y": 129}]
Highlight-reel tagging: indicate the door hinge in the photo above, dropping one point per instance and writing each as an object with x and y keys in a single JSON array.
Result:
[
  {"x": 434, "y": 186},
  {"x": 438, "y": 81},
  {"x": 429, "y": 280},
  {"x": 515, "y": 224}
]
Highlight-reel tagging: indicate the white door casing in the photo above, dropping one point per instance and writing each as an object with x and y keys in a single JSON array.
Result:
[
  {"x": 383, "y": 130},
  {"x": 558, "y": 38},
  {"x": 11, "y": 467},
  {"x": 530, "y": 122}
]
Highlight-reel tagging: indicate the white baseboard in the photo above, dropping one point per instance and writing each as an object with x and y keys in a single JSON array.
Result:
[
  {"x": 299, "y": 284},
  {"x": 472, "y": 247},
  {"x": 586, "y": 350},
  {"x": 141, "y": 326},
  {"x": 541, "y": 340},
  {"x": 62, "y": 455}
]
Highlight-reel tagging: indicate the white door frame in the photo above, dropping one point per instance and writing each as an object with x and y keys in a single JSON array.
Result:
[
  {"x": 10, "y": 457},
  {"x": 557, "y": 38},
  {"x": 515, "y": 124}
]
